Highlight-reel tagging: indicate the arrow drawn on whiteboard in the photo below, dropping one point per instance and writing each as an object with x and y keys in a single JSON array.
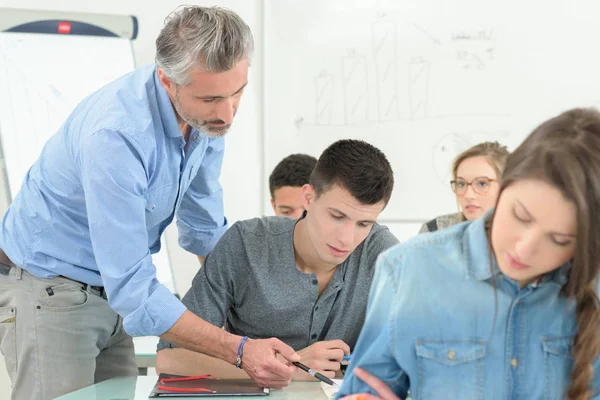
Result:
[
  {"x": 430, "y": 36},
  {"x": 298, "y": 122},
  {"x": 55, "y": 91}
]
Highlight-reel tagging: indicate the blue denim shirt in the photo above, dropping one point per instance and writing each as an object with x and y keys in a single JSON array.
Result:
[
  {"x": 106, "y": 185},
  {"x": 436, "y": 325}
]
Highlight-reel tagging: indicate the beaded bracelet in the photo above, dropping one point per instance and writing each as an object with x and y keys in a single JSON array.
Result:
[{"x": 240, "y": 353}]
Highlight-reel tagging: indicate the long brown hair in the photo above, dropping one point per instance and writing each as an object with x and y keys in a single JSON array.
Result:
[{"x": 565, "y": 153}]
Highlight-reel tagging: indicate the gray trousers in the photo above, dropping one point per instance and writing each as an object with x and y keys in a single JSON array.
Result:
[{"x": 57, "y": 336}]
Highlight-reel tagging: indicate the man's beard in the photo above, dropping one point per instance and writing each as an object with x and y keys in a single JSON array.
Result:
[{"x": 203, "y": 127}]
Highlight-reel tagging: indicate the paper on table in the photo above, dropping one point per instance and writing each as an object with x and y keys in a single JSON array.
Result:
[{"x": 331, "y": 390}]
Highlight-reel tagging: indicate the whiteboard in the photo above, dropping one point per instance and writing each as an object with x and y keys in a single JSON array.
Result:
[
  {"x": 42, "y": 78},
  {"x": 423, "y": 80}
]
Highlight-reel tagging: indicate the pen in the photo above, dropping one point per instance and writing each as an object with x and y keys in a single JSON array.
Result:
[{"x": 317, "y": 375}]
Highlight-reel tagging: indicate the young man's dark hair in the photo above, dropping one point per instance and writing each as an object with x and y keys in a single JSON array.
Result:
[
  {"x": 286, "y": 181},
  {"x": 356, "y": 166},
  {"x": 294, "y": 170}
]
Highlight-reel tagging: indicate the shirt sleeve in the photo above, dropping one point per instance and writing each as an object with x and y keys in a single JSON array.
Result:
[
  {"x": 380, "y": 242},
  {"x": 114, "y": 183},
  {"x": 200, "y": 219},
  {"x": 212, "y": 292},
  {"x": 374, "y": 351}
]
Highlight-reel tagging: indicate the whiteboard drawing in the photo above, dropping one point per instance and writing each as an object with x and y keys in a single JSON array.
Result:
[
  {"x": 324, "y": 98},
  {"x": 355, "y": 86},
  {"x": 386, "y": 70},
  {"x": 418, "y": 87}
]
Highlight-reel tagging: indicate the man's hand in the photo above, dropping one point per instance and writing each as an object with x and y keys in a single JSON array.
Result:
[
  {"x": 382, "y": 390},
  {"x": 261, "y": 364},
  {"x": 325, "y": 356}
]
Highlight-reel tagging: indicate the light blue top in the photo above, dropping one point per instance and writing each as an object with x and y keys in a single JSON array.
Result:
[
  {"x": 107, "y": 184},
  {"x": 432, "y": 325}
]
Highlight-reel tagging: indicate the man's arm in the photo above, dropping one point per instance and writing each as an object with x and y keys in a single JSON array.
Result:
[
  {"x": 210, "y": 298},
  {"x": 260, "y": 356},
  {"x": 200, "y": 219},
  {"x": 114, "y": 183},
  {"x": 179, "y": 361},
  {"x": 324, "y": 357}
]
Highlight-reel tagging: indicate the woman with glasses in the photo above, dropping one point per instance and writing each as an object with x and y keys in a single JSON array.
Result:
[{"x": 475, "y": 173}]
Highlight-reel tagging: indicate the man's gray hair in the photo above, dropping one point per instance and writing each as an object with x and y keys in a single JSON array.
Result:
[{"x": 214, "y": 39}]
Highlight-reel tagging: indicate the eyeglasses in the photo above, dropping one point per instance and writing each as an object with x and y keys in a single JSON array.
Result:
[{"x": 480, "y": 185}]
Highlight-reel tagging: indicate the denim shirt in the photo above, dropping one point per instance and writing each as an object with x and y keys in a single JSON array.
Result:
[
  {"x": 94, "y": 205},
  {"x": 436, "y": 325}
]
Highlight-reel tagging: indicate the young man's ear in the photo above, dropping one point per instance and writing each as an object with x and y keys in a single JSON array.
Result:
[
  {"x": 273, "y": 205},
  {"x": 308, "y": 196}
]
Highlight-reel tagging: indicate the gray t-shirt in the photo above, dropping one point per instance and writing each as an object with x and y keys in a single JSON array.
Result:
[{"x": 250, "y": 284}]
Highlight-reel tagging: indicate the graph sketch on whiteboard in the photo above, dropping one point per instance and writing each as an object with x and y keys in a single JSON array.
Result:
[
  {"x": 386, "y": 66},
  {"x": 355, "y": 85},
  {"x": 418, "y": 87},
  {"x": 386, "y": 88},
  {"x": 324, "y": 85}
]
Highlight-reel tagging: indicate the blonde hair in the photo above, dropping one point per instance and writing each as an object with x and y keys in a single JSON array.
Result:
[{"x": 494, "y": 153}]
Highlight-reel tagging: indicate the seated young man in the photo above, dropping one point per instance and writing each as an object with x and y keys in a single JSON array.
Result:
[
  {"x": 304, "y": 281},
  {"x": 285, "y": 184}
]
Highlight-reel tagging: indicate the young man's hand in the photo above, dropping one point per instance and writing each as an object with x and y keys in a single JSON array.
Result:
[
  {"x": 325, "y": 356},
  {"x": 261, "y": 364}
]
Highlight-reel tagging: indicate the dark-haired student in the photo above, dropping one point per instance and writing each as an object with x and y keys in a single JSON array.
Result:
[
  {"x": 286, "y": 182},
  {"x": 304, "y": 281}
]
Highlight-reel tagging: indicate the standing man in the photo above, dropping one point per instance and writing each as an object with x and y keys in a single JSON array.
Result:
[{"x": 76, "y": 273}]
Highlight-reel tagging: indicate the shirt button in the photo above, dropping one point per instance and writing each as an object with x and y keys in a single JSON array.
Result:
[
  {"x": 514, "y": 362},
  {"x": 153, "y": 206},
  {"x": 314, "y": 336},
  {"x": 195, "y": 137},
  {"x": 315, "y": 282},
  {"x": 316, "y": 308},
  {"x": 451, "y": 354}
]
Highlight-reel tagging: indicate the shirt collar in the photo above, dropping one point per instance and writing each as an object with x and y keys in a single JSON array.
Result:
[
  {"x": 477, "y": 250},
  {"x": 166, "y": 110}
]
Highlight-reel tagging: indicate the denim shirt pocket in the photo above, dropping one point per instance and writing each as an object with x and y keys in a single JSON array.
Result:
[
  {"x": 558, "y": 363},
  {"x": 450, "y": 369}
]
